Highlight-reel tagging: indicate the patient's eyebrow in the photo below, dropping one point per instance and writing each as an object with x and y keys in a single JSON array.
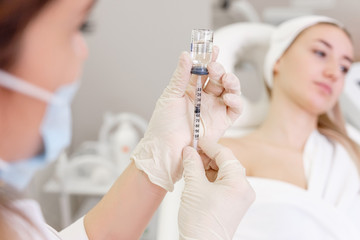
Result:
[
  {"x": 89, "y": 6},
  {"x": 327, "y": 44}
]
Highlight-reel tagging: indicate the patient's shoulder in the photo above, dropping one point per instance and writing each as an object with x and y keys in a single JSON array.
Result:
[
  {"x": 244, "y": 148},
  {"x": 229, "y": 142},
  {"x": 238, "y": 143}
]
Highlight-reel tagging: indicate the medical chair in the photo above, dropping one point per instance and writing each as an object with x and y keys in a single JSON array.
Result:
[
  {"x": 350, "y": 102},
  {"x": 242, "y": 51}
]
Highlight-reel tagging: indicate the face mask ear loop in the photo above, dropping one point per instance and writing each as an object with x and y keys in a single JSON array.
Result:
[
  {"x": 3, "y": 165},
  {"x": 11, "y": 82}
]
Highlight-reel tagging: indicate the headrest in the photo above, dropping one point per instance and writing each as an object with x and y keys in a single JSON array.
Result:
[
  {"x": 242, "y": 51},
  {"x": 349, "y": 100}
]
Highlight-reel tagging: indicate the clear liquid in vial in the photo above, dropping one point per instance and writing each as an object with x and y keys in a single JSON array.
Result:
[{"x": 201, "y": 54}]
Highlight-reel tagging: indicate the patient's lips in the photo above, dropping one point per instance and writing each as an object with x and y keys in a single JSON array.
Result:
[{"x": 324, "y": 87}]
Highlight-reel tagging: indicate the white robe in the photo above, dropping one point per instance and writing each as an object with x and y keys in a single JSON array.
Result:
[{"x": 329, "y": 209}]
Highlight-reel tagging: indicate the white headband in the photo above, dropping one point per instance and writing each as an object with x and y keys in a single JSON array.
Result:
[{"x": 284, "y": 35}]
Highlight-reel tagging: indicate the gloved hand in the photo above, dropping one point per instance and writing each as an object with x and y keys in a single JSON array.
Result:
[
  {"x": 212, "y": 210},
  {"x": 170, "y": 129}
]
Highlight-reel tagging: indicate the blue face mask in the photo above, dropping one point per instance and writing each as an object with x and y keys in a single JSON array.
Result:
[{"x": 55, "y": 128}]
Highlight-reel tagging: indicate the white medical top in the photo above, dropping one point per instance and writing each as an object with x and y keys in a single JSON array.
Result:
[
  {"x": 3, "y": 164},
  {"x": 32, "y": 210}
]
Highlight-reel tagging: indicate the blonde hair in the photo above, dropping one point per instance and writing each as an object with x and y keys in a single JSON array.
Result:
[{"x": 332, "y": 125}]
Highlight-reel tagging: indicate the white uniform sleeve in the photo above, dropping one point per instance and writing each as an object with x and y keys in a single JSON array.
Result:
[{"x": 75, "y": 231}]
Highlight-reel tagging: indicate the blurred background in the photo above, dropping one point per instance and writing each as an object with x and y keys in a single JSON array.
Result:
[
  {"x": 139, "y": 43},
  {"x": 134, "y": 47}
]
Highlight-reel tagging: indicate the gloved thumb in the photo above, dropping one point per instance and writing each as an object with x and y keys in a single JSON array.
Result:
[
  {"x": 193, "y": 166},
  {"x": 180, "y": 78},
  {"x": 224, "y": 158}
]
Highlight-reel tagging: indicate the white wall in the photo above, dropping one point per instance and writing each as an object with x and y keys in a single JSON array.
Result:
[
  {"x": 347, "y": 11},
  {"x": 133, "y": 52}
]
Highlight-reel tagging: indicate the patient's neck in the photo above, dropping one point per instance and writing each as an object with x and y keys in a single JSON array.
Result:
[{"x": 288, "y": 124}]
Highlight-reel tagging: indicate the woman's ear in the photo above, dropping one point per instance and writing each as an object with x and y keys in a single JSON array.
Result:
[{"x": 276, "y": 66}]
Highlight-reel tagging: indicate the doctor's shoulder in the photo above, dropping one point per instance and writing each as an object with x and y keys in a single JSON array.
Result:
[{"x": 15, "y": 223}]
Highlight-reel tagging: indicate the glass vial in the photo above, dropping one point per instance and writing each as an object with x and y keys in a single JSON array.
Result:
[{"x": 201, "y": 50}]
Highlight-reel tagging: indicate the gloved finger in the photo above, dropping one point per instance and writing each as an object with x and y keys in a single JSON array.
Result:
[
  {"x": 190, "y": 90},
  {"x": 223, "y": 156},
  {"x": 215, "y": 86},
  {"x": 231, "y": 83},
  {"x": 193, "y": 166},
  {"x": 212, "y": 171},
  {"x": 212, "y": 165},
  {"x": 204, "y": 79},
  {"x": 215, "y": 53},
  {"x": 211, "y": 174},
  {"x": 205, "y": 159},
  {"x": 180, "y": 77},
  {"x": 234, "y": 105}
]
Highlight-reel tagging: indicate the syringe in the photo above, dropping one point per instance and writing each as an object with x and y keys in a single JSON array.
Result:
[
  {"x": 197, "y": 107},
  {"x": 201, "y": 53}
]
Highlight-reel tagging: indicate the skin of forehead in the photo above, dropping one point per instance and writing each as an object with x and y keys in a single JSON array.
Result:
[{"x": 311, "y": 28}]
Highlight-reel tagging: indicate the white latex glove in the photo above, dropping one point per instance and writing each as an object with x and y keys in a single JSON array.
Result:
[
  {"x": 212, "y": 210},
  {"x": 171, "y": 126}
]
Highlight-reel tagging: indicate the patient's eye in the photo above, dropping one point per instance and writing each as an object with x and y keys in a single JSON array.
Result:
[
  {"x": 86, "y": 27},
  {"x": 344, "y": 69},
  {"x": 320, "y": 53}
]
